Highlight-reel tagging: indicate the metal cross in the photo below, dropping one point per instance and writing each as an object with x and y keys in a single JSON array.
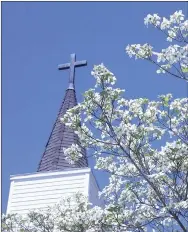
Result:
[{"x": 72, "y": 66}]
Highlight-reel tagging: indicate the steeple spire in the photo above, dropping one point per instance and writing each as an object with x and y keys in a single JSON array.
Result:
[{"x": 62, "y": 136}]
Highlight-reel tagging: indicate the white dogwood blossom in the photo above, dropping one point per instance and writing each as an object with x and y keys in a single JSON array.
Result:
[
  {"x": 173, "y": 59},
  {"x": 72, "y": 153}
]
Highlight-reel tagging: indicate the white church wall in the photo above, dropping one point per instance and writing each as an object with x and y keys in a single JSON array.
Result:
[
  {"x": 94, "y": 191},
  {"x": 43, "y": 189}
]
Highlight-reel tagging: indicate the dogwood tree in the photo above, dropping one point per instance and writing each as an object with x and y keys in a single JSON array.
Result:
[{"x": 143, "y": 145}]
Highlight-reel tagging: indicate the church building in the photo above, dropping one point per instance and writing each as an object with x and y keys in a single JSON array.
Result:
[{"x": 55, "y": 177}]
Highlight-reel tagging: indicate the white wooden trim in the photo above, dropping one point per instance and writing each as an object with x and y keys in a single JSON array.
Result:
[
  {"x": 47, "y": 181},
  {"x": 94, "y": 180},
  {"x": 10, "y": 196},
  {"x": 54, "y": 173},
  {"x": 86, "y": 183}
]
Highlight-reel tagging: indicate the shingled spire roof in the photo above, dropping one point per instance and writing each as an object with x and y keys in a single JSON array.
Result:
[{"x": 62, "y": 136}]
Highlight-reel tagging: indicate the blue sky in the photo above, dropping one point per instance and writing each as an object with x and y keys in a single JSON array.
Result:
[{"x": 37, "y": 36}]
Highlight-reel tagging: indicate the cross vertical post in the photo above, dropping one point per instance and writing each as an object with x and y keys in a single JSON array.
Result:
[{"x": 73, "y": 63}]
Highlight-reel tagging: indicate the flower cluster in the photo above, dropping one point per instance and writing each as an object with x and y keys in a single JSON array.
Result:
[
  {"x": 175, "y": 27},
  {"x": 139, "y": 51},
  {"x": 73, "y": 153},
  {"x": 173, "y": 59}
]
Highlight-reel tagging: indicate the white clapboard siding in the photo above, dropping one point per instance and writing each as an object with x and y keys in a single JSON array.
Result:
[
  {"x": 41, "y": 198},
  {"x": 19, "y": 194},
  {"x": 37, "y": 189},
  {"x": 48, "y": 180},
  {"x": 40, "y": 190}
]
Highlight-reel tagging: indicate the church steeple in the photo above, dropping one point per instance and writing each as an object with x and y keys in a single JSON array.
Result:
[
  {"x": 55, "y": 177},
  {"x": 61, "y": 136}
]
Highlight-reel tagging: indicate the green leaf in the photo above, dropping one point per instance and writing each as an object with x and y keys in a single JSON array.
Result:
[
  {"x": 127, "y": 185},
  {"x": 115, "y": 208},
  {"x": 145, "y": 100},
  {"x": 185, "y": 70},
  {"x": 148, "y": 155},
  {"x": 166, "y": 101}
]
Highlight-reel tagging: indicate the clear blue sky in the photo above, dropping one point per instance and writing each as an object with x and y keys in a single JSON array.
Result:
[{"x": 37, "y": 36}]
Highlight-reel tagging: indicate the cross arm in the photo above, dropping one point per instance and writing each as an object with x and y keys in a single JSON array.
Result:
[
  {"x": 64, "y": 66},
  {"x": 80, "y": 63}
]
